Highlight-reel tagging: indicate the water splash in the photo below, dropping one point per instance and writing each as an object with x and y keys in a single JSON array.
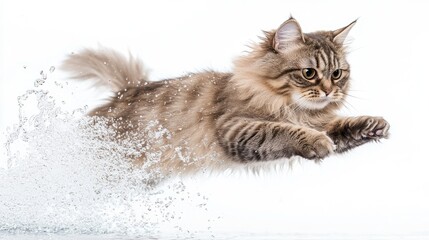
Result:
[
  {"x": 43, "y": 76},
  {"x": 67, "y": 173}
]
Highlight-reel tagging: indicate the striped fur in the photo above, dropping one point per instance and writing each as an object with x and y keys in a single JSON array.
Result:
[{"x": 265, "y": 109}]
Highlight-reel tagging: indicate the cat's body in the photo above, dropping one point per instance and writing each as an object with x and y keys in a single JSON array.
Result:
[{"x": 279, "y": 101}]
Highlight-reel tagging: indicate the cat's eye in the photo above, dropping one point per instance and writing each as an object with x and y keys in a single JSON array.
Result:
[
  {"x": 337, "y": 74},
  {"x": 309, "y": 73}
]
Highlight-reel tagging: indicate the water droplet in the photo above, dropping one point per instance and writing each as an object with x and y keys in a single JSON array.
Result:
[
  {"x": 25, "y": 67},
  {"x": 38, "y": 82},
  {"x": 52, "y": 69},
  {"x": 43, "y": 75}
]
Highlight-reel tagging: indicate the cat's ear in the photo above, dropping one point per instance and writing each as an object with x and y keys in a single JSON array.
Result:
[
  {"x": 340, "y": 35},
  {"x": 288, "y": 35}
]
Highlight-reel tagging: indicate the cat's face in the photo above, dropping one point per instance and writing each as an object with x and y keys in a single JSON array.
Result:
[
  {"x": 310, "y": 70},
  {"x": 314, "y": 67},
  {"x": 319, "y": 74}
]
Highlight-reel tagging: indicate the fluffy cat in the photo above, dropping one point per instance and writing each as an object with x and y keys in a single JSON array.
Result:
[{"x": 279, "y": 101}]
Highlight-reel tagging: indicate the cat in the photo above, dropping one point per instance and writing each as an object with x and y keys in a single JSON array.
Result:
[{"x": 279, "y": 101}]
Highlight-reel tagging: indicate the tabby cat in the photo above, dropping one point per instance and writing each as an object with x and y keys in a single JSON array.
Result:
[{"x": 279, "y": 101}]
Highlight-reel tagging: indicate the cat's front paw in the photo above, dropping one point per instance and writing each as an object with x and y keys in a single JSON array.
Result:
[
  {"x": 317, "y": 146},
  {"x": 371, "y": 128}
]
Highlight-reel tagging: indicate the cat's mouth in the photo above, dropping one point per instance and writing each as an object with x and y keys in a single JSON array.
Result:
[
  {"x": 319, "y": 103},
  {"x": 313, "y": 103}
]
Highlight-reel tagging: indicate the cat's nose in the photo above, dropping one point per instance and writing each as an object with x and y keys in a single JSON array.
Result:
[
  {"x": 327, "y": 91},
  {"x": 326, "y": 86}
]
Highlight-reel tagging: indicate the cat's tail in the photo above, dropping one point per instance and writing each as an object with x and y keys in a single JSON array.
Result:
[{"x": 106, "y": 67}]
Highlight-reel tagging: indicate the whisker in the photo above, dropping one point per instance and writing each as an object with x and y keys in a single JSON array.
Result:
[
  {"x": 296, "y": 107},
  {"x": 355, "y": 90},
  {"x": 346, "y": 104},
  {"x": 349, "y": 95},
  {"x": 297, "y": 103},
  {"x": 342, "y": 104}
]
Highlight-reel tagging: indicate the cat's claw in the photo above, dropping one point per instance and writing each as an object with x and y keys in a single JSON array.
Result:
[{"x": 375, "y": 128}]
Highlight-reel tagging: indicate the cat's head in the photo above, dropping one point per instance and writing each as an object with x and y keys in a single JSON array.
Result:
[{"x": 307, "y": 70}]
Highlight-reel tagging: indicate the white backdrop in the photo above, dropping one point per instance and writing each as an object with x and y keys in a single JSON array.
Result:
[{"x": 377, "y": 188}]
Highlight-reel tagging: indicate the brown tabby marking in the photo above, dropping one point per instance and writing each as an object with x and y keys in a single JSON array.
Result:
[{"x": 279, "y": 101}]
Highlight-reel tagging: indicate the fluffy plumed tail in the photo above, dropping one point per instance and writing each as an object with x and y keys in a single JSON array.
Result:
[{"x": 107, "y": 67}]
